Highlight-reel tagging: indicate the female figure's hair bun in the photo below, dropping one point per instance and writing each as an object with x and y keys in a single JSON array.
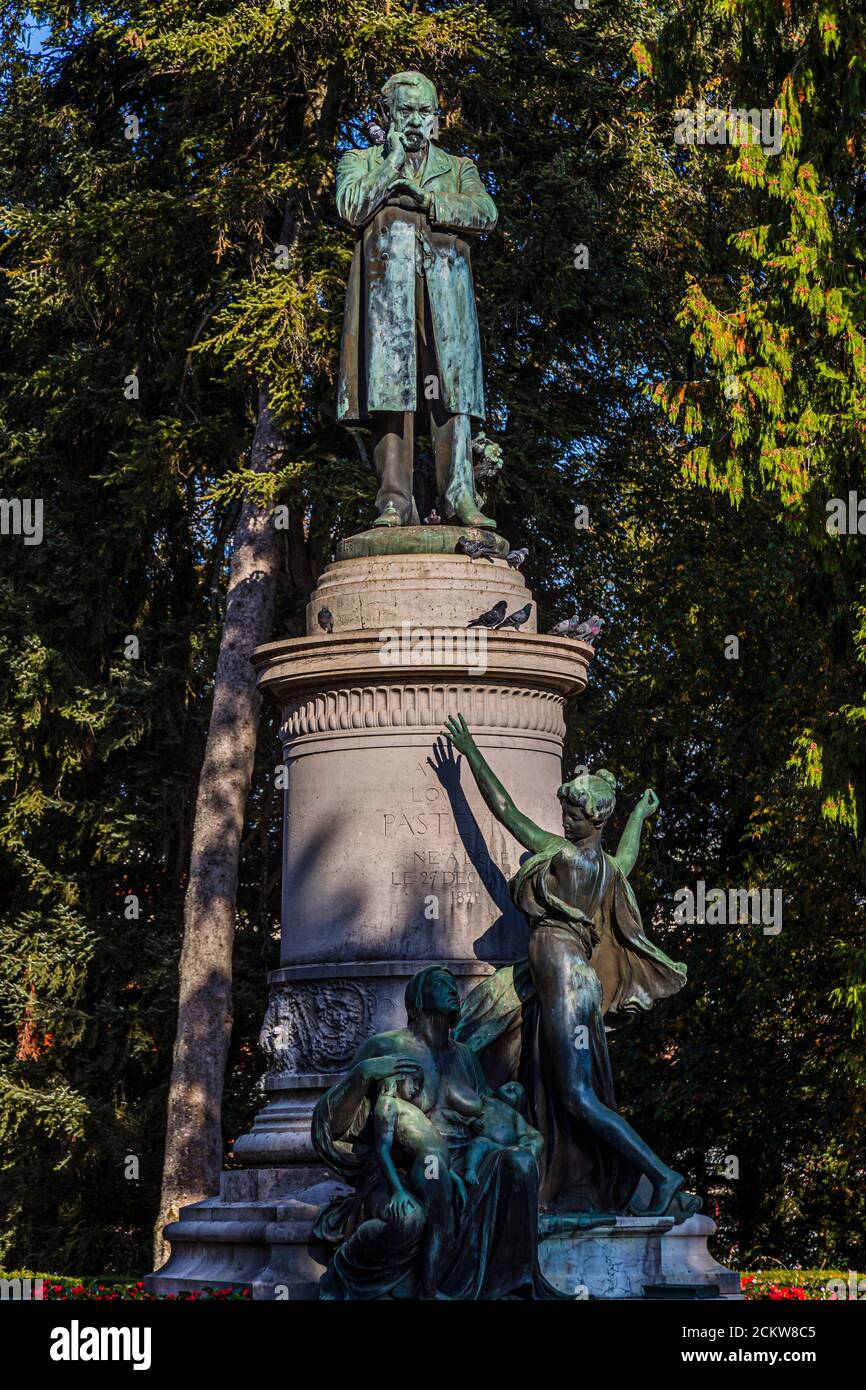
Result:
[{"x": 606, "y": 777}]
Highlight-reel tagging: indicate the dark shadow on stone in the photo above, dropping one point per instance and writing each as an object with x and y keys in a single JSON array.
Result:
[{"x": 506, "y": 938}]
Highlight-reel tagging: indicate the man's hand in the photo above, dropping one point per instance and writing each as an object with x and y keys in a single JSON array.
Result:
[
  {"x": 406, "y": 189},
  {"x": 395, "y": 150}
]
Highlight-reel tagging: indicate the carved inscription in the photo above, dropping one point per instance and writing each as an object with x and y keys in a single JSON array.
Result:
[{"x": 445, "y": 849}]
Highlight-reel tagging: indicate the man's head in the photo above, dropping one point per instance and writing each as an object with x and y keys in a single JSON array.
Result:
[
  {"x": 412, "y": 105},
  {"x": 587, "y": 803},
  {"x": 433, "y": 991}
]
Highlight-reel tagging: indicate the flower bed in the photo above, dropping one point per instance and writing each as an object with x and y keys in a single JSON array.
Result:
[
  {"x": 799, "y": 1284},
  {"x": 61, "y": 1287},
  {"x": 771, "y": 1284}
]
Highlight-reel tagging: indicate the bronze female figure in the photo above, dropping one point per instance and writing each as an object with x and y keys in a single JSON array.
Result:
[{"x": 589, "y": 966}]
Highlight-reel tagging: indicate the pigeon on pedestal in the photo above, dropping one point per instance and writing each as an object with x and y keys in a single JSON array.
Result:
[
  {"x": 578, "y": 631},
  {"x": 492, "y": 618},
  {"x": 516, "y": 558},
  {"x": 475, "y": 549},
  {"x": 517, "y": 618}
]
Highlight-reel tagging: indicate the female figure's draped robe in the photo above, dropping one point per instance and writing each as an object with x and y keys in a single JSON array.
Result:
[{"x": 612, "y": 970}]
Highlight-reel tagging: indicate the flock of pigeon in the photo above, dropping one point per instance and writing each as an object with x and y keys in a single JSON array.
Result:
[
  {"x": 498, "y": 618},
  {"x": 570, "y": 627}
]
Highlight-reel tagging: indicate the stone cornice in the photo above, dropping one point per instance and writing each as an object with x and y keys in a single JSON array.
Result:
[{"x": 297, "y": 665}]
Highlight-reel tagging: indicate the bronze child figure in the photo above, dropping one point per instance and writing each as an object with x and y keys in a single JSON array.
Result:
[
  {"x": 405, "y": 1136},
  {"x": 502, "y": 1125}
]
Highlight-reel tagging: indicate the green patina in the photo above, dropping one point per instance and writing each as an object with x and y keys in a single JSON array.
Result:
[{"x": 411, "y": 351}]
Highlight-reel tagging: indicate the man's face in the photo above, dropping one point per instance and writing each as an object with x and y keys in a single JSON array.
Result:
[{"x": 414, "y": 115}]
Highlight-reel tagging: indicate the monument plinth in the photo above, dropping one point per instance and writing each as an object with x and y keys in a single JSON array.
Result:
[
  {"x": 391, "y": 861},
  {"x": 626, "y": 1257},
  {"x": 415, "y": 540},
  {"x": 374, "y": 592}
]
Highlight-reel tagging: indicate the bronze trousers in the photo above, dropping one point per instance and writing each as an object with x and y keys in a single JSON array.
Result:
[{"x": 451, "y": 435}]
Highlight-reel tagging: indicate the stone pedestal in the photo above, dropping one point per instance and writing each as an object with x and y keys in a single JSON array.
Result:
[
  {"x": 686, "y": 1259},
  {"x": 258, "y": 1232},
  {"x": 391, "y": 860},
  {"x": 634, "y": 1257}
]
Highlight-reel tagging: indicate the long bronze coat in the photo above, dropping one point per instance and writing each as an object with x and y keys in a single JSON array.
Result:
[{"x": 378, "y": 365}]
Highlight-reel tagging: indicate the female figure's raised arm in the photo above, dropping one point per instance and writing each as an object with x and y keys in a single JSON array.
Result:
[
  {"x": 629, "y": 846},
  {"x": 530, "y": 835}
]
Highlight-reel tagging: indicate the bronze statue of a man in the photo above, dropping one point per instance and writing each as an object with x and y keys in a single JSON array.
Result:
[{"x": 410, "y": 332}]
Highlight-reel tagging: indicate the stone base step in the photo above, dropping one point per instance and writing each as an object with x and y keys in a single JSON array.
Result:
[
  {"x": 258, "y": 1232},
  {"x": 635, "y": 1257}
]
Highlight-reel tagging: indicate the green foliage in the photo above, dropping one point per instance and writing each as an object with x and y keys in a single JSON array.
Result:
[
  {"x": 158, "y": 257},
  {"x": 783, "y": 319}
]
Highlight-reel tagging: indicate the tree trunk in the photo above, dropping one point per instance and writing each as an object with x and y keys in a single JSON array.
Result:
[
  {"x": 194, "y": 1148},
  {"x": 194, "y": 1145}
]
